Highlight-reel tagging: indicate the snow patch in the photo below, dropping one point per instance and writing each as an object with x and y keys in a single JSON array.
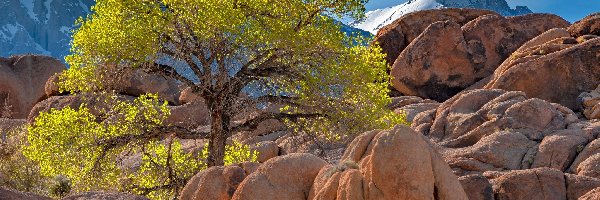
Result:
[
  {"x": 47, "y": 4},
  {"x": 28, "y": 4},
  {"x": 12, "y": 28},
  {"x": 8, "y": 31},
  {"x": 65, "y": 29},
  {"x": 86, "y": 8},
  {"x": 379, "y": 18}
]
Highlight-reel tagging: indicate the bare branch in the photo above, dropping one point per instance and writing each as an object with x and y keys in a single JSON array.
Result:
[
  {"x": 253, "y": 123},
  {"x": 168, "y": 71}
]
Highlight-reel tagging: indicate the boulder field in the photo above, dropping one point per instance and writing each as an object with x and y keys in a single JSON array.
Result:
[
  {"x": 391, "y": 164},
  {"x": 499, "y": 108}
]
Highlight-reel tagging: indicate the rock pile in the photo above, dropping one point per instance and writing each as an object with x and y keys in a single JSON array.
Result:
[
  {"x": 394, "y": 164},
  {"x": 452, "y": 53},
  {"x": 23, "y": 79}
]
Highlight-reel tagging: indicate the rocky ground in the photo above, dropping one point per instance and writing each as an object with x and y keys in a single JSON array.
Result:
[{"x": 500, "y": 108}]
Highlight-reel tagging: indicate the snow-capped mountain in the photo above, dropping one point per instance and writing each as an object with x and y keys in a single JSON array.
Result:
[
  {"x": 44, "y": 26},
  {"x": 39, "y": 26},
  {"x": 377, "y": 19}
]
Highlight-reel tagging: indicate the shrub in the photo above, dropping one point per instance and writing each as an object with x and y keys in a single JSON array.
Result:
[{"x": 16, "y": 171}]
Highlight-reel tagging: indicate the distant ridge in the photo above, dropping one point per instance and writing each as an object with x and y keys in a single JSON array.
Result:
[
  {"x": 39, "y": 26},
  {"x": 377, "y": 19}
]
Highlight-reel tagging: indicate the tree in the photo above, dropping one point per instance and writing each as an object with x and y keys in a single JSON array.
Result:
[
  {"x": 287, "y": 53},
  {"x": 120, "y": 145}
]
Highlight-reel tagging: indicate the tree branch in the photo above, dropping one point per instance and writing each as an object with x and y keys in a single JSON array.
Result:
[{"x": 253, "y": 123}]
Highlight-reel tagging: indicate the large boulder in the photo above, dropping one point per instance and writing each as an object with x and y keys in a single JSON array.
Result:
[
  {"x": 137, "y": 82},
  {"x": 559, "y": 150},
  {"x": 589, "y": 25},
  {"x": 412, "y": 106},
  {"x": 589, "y": 103},
  {"x": 23, "y": 80},
  {"x": 468, "y": 117},
  {"x": 104, "y": 196},
  {"x": 540, "y": 183},
  {"x": 495, "y": 130},
  {"x": 215, "y": 183},
  {"x": 51, "y": 88},
  {"x": 439, "y": 71},
  {"x": 396, "y": 36},
  {"x": 554, "y": 71},
  {"x": 189, "y": 115},
  {"x": 591, "y": 195},
  {"x": 543, "y": 38},
  {"x": 393, "y": 164},
  {"x": 447, "y": 58},
  {"x": 498, "y": 151},
  {"x": 266, "y": 150},
  {"x": 588, "y": 151},
  {"x": 6, "y": 194},
  {"x": 288, "y": 177},
  {"x": 94, "y": 104},
  {"x": 477, "y": 187},
  {"x": 590, "y": 167},
  {"x": 578, "y": 186}
]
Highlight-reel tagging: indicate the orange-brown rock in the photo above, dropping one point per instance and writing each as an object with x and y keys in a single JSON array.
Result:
[
  {"x": 590, "y": 167},
  {"x": 392, "y": 164},
  {"x": 6, "y": 194},
  {"x": 495, "y": 130},
  {"x": 394, "y": 37},
  {"x": 559, "y": 149},
  {"x": 281, "y": 178},
  {"x": 589, "y": 25},
  {"x": 466, "y": 118},
  {"x": 497, "y": 151},
  {"x": 74, "y": 101},
  {"x": 558, "y": 77},
  {"x": 477, "y": 187},
  {"x": 578, "y": 186},
  {"x": 97, "y": 195},
  {"x": 412, "y": 106},
  {"x": 266, "y": 150},
  {"x": 51, "y": 87},
  {"x": 447, "y": 58},
  {"x": 437, "y": 74},
  {"x": 589, "y": 103},
  {"x": 591, "y": 195},
  {"x": 187, "y": 96},
  {"x": 544, "y": 38},
  {"x": 215, "y": 183},
  {"x": 586, "y": 152},
  {"x": 135, "y": 82},
  {"x": 412, "y": 110},
  {"x": 189, "y": 115},
  {"x": 401, "y": 101},
  {"x": 23, "y": 81},
  {"x": 539, "y": 183},
  {"x": 493, "y": 38}
]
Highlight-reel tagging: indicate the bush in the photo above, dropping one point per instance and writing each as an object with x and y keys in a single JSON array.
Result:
[
  {"x": 124, "y": 148},
  {"x": 16, "y": 171}
]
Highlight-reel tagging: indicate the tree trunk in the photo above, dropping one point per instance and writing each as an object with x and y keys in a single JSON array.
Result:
[{"x": 218, "y": 137}]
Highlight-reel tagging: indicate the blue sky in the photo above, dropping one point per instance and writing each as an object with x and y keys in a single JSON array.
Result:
[{"x": 571, "y": 10}]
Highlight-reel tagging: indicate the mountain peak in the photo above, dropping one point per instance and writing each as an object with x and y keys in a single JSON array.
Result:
[
  {"x": 39, "y": 26},
  {"x": 377, "y": 19}
]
